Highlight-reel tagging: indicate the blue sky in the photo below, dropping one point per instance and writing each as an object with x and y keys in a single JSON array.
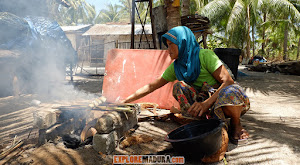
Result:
[{"x": 101, "y": 4}]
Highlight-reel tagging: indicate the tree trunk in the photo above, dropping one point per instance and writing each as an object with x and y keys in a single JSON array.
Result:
[
  {"x": 173, "y": 13},
  {"x": 185, "y": 7},
  {"x": 253, "y": 41},
  {"x": 248, "y": 34},
  {"x": 298, "y": 50},
  {"x": 285, "y": 42},
  {"x": 263, "y": 35}
]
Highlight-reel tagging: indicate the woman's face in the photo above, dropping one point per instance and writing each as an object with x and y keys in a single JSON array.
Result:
[{"x": 173, "y": 50}]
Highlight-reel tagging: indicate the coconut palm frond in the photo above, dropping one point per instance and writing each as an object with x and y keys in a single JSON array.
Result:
[
  {"x": 71, "y": 2},
  {"x": 112, "y": 14},
  {"x": 216, "y": 10},
  {"x": 237, "y": 16},
  {"x": 255, "y": 4},
  {"x": 116, "y": 18},
  {"x": 201, "y": 3},
  {"x": 106, "y": 17},
  {"x": 286, "y": 7}
]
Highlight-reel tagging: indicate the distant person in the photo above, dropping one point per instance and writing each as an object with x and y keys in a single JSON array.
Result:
[{"x": 205, "y": 88}]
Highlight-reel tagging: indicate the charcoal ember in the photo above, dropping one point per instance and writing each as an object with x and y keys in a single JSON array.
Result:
[{"x": 71, "y": 141}]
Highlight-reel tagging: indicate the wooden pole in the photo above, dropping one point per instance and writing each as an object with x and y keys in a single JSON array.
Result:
[
  {"x": 204, "y": 40},
  {"x": 132, "y": 24}
]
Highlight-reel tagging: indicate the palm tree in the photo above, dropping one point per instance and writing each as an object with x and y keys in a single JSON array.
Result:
[
  {"x": 185, "y": 7},
  {"x": 232, "y": 14},
  {"x": 274, "y": 37},
  {"x": 78, "y": 12},
  {"x": 126, "y": 6},
  {"x": 191, "y": 6},
  {"x": 111, "y": 14},
  {"x": 289, "y": 17},
  {"x": 173, "y": 13},
  {"x": 143, "y": 9},
  {"x": 296, "y": 3},
  {"x": 143, "y": 13}
]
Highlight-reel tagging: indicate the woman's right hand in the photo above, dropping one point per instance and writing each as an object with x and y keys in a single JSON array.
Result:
[{"x": 198, "y": 109}]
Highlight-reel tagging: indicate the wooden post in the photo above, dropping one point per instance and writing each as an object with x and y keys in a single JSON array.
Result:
[
  {"x": 204, "y": 35},
  {"x": 132, "y": 24},
  {"x": 117, "y": 44}
]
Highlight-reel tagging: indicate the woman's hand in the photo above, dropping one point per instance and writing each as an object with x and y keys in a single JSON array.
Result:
[
  {"x": 198, "y": 109},
  {"x": 222, "y": 76}
]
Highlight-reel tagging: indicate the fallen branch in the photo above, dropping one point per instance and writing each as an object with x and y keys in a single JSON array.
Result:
[
  {"x": 11, "y": 149},
  {"x": 11, "y": 156}
]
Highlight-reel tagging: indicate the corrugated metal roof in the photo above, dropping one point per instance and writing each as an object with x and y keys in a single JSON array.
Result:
[
  {"x": 74, "y": 28},
  {"x": 104, "y": 29}
]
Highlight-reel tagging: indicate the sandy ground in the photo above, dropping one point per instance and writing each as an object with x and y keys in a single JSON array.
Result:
[{"x": 273, "y": 123}]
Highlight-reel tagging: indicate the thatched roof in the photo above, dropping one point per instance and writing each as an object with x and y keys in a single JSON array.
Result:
[{"x": 112, "y": 29}]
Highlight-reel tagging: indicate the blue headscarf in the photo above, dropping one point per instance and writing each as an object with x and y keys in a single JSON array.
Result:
[{"x": 187, "y": 65}]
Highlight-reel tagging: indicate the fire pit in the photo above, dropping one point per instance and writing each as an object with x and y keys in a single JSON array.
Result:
[{"x": 109, "y": 122}]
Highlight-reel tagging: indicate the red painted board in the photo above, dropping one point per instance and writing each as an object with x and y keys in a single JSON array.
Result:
[{"x": 127, "y": 70}]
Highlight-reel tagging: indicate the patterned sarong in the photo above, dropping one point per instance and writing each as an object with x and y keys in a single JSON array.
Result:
[{"x": 232, "y": 95}]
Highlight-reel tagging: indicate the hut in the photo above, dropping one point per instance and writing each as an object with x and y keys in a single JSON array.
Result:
[
  {"x": 103, "y": 37},
  {"x": 74, "y": 34}
]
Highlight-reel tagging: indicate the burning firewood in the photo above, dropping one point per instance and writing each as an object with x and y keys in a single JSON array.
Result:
[
  {"x": 87, "y": 132},
  {"x": 101, "y": 105}
]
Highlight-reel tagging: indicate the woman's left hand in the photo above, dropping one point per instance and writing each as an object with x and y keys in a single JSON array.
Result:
[{"x": 198, "y": 109}]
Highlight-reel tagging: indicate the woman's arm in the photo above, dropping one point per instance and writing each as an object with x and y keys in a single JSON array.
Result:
[
  {"x": 145, "y": 90},
  {"x": 222, "y": 76}
]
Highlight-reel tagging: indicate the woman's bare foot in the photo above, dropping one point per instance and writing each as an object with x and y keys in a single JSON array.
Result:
[{"x": 238, "y": 134}]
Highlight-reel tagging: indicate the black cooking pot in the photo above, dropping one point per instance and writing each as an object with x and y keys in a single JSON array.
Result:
[{"x": 198, "y": 138}]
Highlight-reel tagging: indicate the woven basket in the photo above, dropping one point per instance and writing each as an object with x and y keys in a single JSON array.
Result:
[{"x": 195, "y": 23}]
